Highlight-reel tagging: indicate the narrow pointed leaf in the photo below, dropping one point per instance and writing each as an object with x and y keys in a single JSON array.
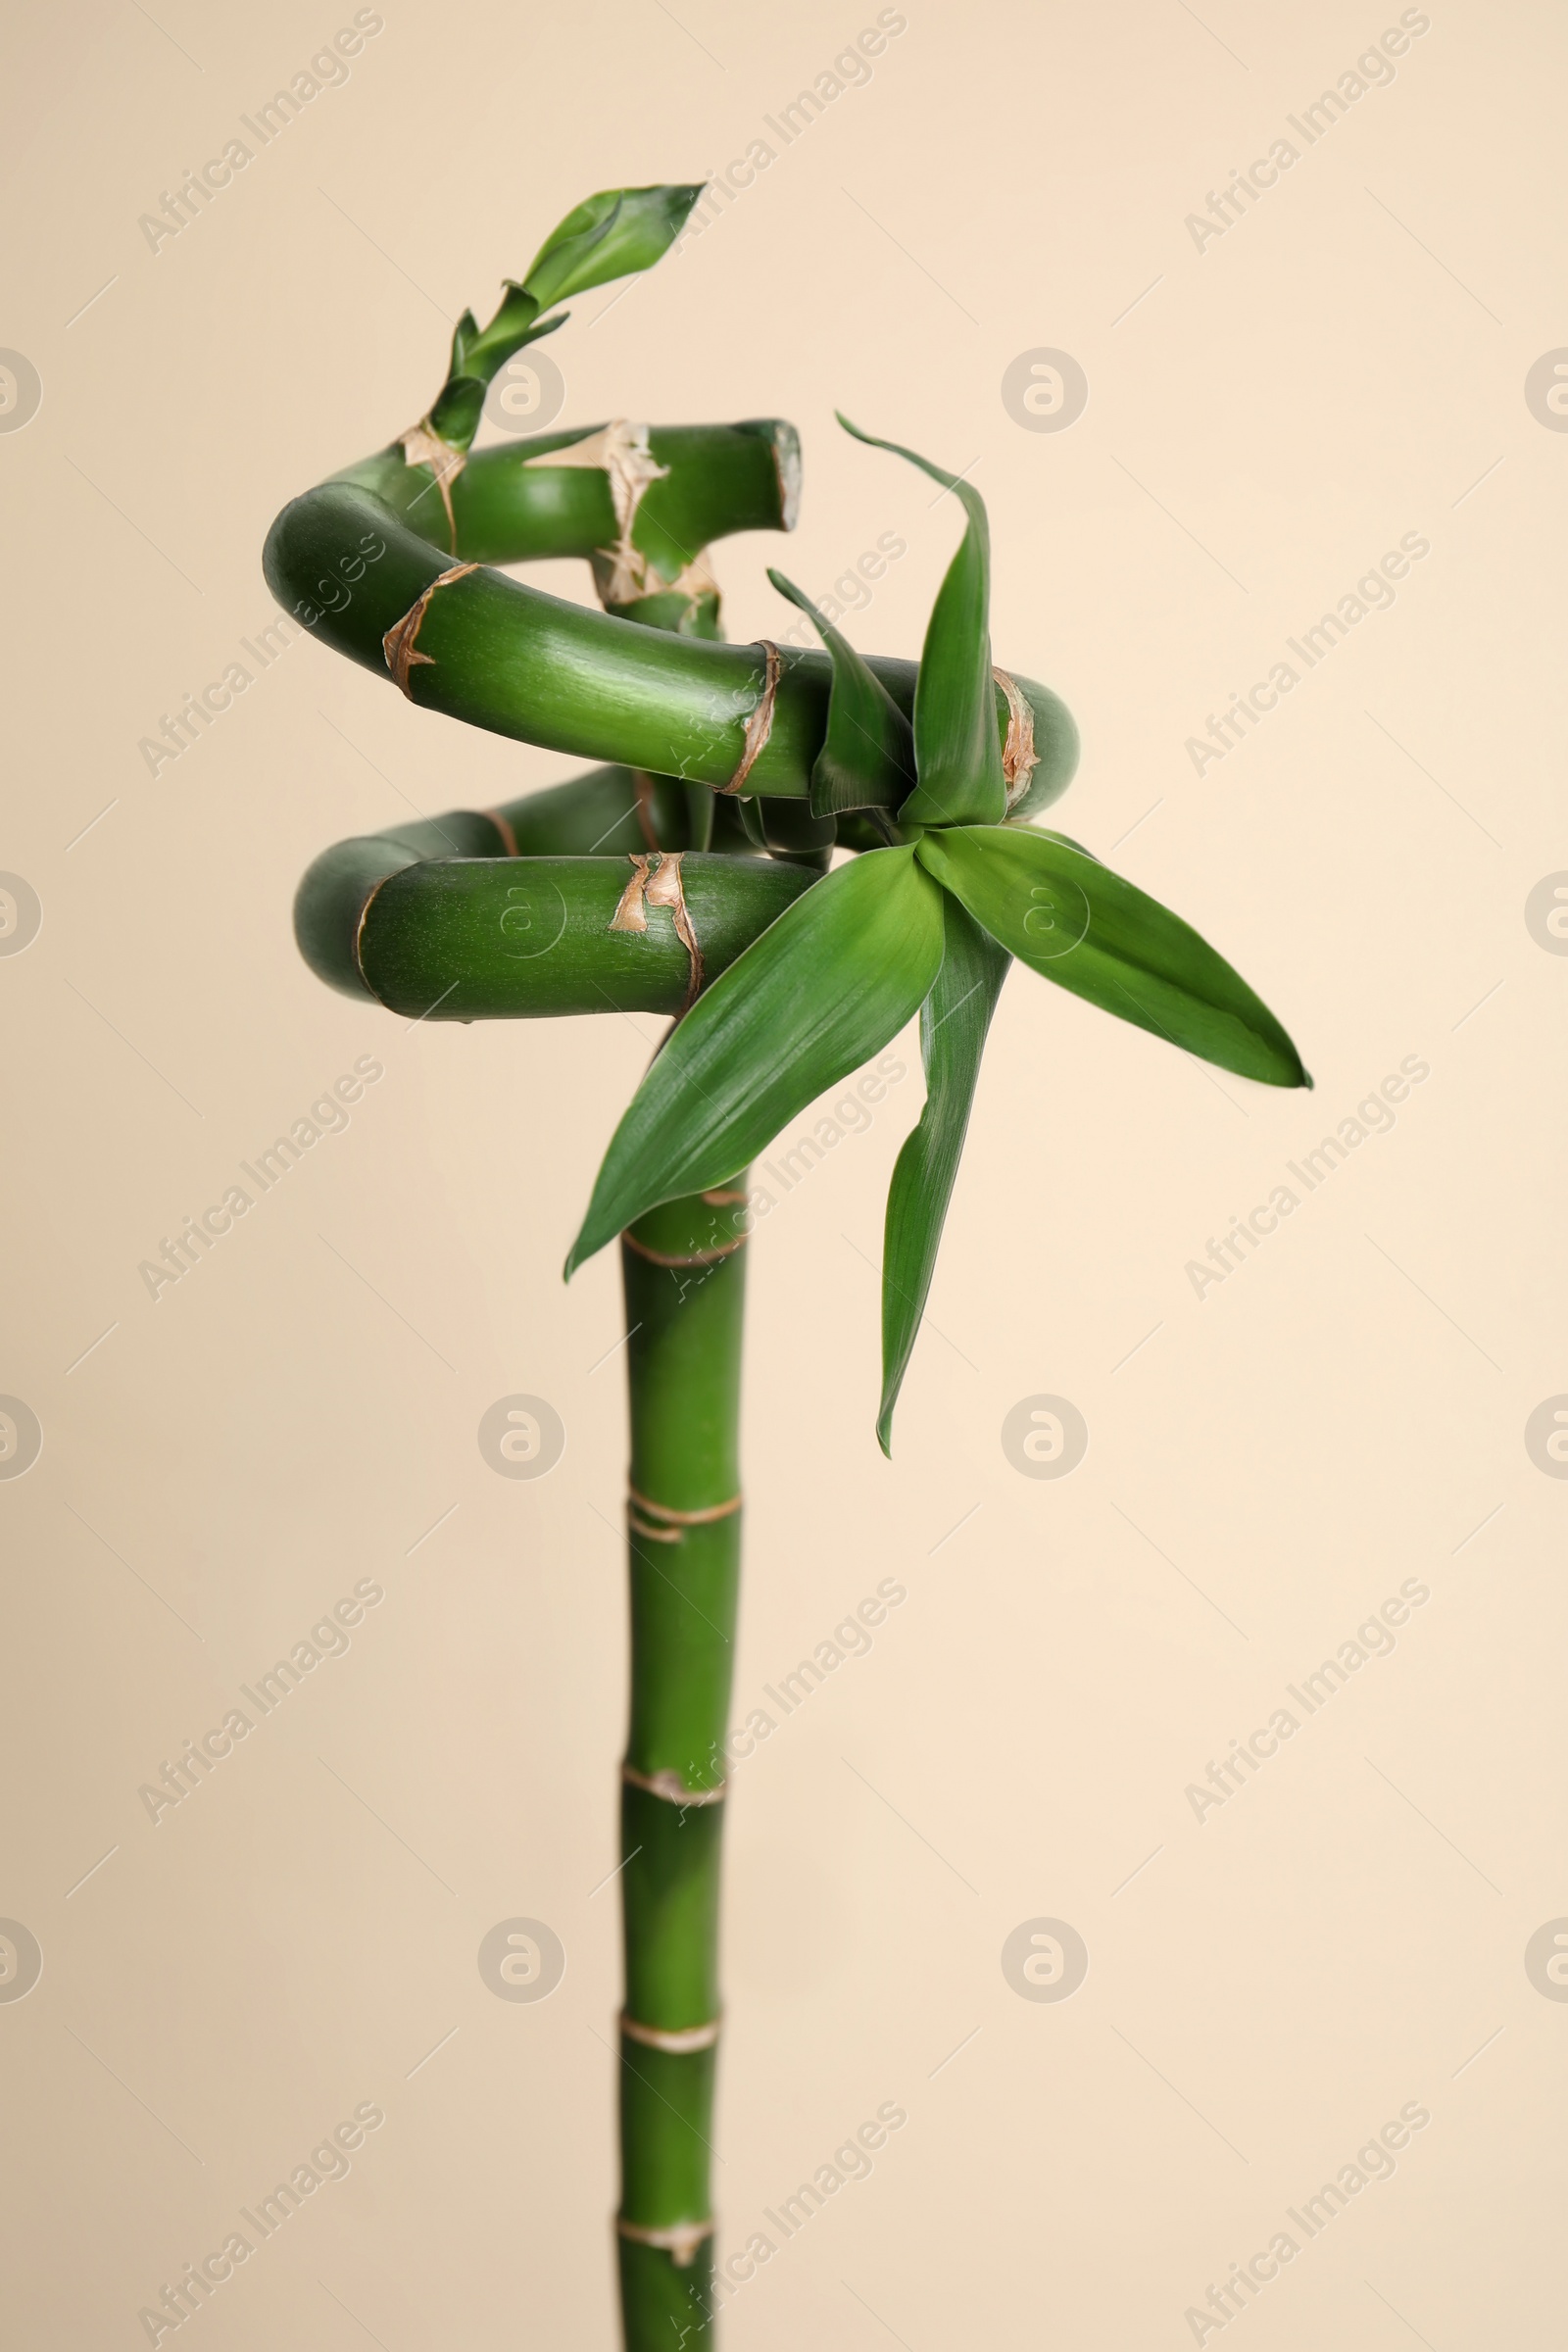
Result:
[
  {"x": 957, "y": 755},
  {"x": 822, "y": 990},
  {"x": 954, "y": 1021},
  {"x": 867, "y": 754},
  {"x": 1074, "y": 921},
  {"x": 612, "y": 234}
]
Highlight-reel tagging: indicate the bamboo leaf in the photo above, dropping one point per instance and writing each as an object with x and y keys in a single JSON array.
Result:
[
  {"x": 867, "y": 754},
  {"x": 612, "y": 234},
  {"x": 957, "y": 755},
  {"x": 819, "y": 992},
  {"x": 954, "y": 1021},
  {"x": 1075, "y": 922}
]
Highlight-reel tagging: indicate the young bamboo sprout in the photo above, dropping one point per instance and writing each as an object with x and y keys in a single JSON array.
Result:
[{"x": 688, "y": 873}]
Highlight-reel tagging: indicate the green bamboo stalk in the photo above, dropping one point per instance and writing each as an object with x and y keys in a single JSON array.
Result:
[
  {"x": 502, "y": 656},
  {"x": 670, "y": 879},
  {"x": 683, "y": 1267},
  {"x": 492, "y": 937},
  {"x": 512, "y": 504},
  {"x": 683, "y": 1272}
]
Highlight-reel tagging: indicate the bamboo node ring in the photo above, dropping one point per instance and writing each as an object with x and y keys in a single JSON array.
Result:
[
  {"x": 760, "y": 718},
  {"x": 692, "y": 1257},
  {"x": 680, "y": 2043},
  {"x": 399, "y": 644},
  {"x": 680, "y": 2241},
  {"x": 667, "y": 1783},
  {"x": 1019, "y": 758}
]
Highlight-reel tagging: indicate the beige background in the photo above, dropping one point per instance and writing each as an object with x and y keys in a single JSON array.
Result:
[{"x": 1345, "y": 365}]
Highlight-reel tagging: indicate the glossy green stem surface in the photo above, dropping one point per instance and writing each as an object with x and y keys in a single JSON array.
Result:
[
  {"x": 497, "y": 655},
  {"x": 492, "y": 937},
  {"x": 511, "y": 504},
  {"x": 684, "y": 1369}
]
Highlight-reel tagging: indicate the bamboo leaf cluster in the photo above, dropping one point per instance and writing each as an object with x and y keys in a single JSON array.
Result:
[{"x": 928, "y": 772}]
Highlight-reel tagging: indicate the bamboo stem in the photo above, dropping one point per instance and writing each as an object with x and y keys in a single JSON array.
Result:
[
  {"x": 537, "y": 497},
  {"x": 459, "y": 936},
  {"x": 487, "y": 650},
  {"x": 684, "y": 1272}
]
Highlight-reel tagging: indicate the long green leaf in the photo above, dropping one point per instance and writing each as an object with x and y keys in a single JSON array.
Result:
[
  {"x": 954, "y": 1021},
  {"x": 612, "y": 234},
  {"x": 822, "y": 990},
  {"x": 1074, "y": 921},
  {"x": 957, "y": 755},
  {"x": 867, "y": 754}
]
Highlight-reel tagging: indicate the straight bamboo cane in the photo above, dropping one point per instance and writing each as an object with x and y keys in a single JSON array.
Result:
[
  {"x": 683, "y": 1271},
  {"x": 683, "y": 1267}
]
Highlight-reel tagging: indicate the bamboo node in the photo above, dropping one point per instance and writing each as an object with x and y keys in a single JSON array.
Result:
[
  {"x": 421, "y": 446},
  {"x": 694, "y": 1258},
  {"x": 399, "y": 645},
  {"x": 655, "y": 1535},
  {"x": 629, "y": 914},
  {"x": 666, "y": 889},
  {"x": 620, "y": 451},
  {"x": 760, "y": 718},
  {"x": 667, "y": 1783},
  {"x": 680, "y": 2241},
  {"x": 703, "y": 1518},
  {"x": 661, "y": 887},
  {"x": 680, "y": 2043},
  {"x": 1019, "y": 758}
]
